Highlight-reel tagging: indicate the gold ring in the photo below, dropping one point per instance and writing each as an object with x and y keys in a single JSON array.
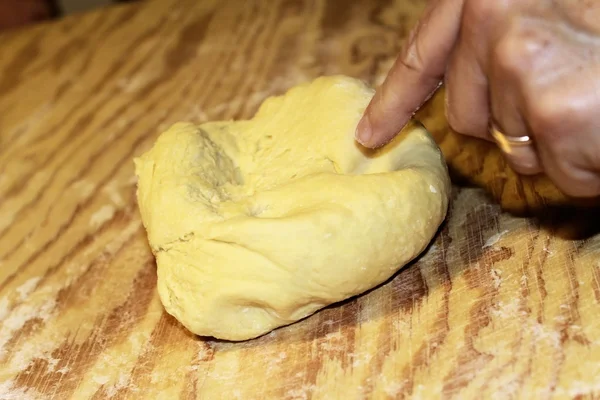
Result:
[{"x": 508, "y": 143}]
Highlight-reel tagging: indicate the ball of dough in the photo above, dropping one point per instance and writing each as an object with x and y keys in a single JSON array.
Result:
[{"x": 256, "y": 224}]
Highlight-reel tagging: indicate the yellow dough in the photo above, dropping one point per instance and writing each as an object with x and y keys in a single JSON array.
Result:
[{"x": 256, "y": 224}]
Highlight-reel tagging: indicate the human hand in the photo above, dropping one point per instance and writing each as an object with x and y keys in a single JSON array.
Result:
[{"x": 531, "y": 67}]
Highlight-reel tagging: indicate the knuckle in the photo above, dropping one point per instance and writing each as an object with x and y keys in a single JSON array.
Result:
[
  {"x": 411, "y": 58},
  {"x": 548, "y": 114},
  {"x": 477, "y": 11},
  {"x": 516, "y": 52},
  {"x": 506, "y": 55}
]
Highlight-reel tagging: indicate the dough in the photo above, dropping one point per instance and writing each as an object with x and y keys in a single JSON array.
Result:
[{"x": 256, "y": 224}]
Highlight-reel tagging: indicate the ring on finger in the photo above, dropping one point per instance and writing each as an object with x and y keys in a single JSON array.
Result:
[
  {"x": 507, "y": 143},
  {"x": 519, "y": 150}
]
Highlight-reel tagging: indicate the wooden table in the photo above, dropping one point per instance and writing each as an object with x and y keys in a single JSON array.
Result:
[{"x": 500, "y": 306}]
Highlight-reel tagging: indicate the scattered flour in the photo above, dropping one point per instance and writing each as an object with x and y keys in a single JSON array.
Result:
[
  {"x": 542, "y": 333},
  {"x": 3, "y": 308},
  {"x": 506, "y": 310},
  {"x": 496, "y": 277},
  {"x": 361, "y": 358},
  {"x": 112, "y": 191},
  {"x": 121, "y": 383},
  {"x": 576, "y": 389},
  {"x": 19, "y": 316},
  {"x": 393, "y": 388},
  {"x": 494, "y": 239},
  {"x": 52, "y": 363},
  {"x": 276, "y": 360},
  {"x": 302, "y": 393},
  {"x": 27, "y": 287},
  {"x": 334, "y": 335},
  {"x": 8, "y": 393},
  {"x": 83, "y": 187},
  {"x": 132, "y": 84},
  {"x": 101, "y": 379},
  {"x": 105, "y": 213}
]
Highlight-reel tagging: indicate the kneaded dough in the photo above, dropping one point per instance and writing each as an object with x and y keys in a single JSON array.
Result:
[{"x": 256, "y": 224}]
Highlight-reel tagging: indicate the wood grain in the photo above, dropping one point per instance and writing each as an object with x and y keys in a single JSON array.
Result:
[{"x": 500, "y": 306}]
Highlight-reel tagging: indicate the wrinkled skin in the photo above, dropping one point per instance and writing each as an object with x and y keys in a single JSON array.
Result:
[{"x": 530, "y": 66}]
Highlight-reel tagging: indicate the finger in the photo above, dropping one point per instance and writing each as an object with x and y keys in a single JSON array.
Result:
[
  {"x": 569, "y": 136},
  {"x": 467, "y": 100},
  {"x": 468, "y": 91},
  {"x": 519, "y": 151},
  {"x": 506, "y": 102},
  {"x": 561, "y": 89},
  {"x": 415, "y": 75}
]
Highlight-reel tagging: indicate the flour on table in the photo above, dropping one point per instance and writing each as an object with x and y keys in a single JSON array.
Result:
[
  {"x": 494, "y": 239},
  {"x": 104, "y": 214},
  {"x": 27, "y": 287}
]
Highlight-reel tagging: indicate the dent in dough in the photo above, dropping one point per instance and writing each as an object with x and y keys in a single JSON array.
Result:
[{"x": 256, "y": 224}]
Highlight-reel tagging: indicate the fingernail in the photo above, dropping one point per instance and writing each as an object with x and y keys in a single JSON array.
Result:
[{"x": 363, "y": 131}]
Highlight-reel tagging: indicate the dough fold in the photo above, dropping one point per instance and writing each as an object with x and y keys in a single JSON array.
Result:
[{"x": 256, "y": 224}]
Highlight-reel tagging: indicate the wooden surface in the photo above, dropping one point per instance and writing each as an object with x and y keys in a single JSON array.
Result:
[{"x": 500, "y": 306}]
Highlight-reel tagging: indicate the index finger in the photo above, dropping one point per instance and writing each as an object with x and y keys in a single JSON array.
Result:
[{"x": 415, "y": 75}]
